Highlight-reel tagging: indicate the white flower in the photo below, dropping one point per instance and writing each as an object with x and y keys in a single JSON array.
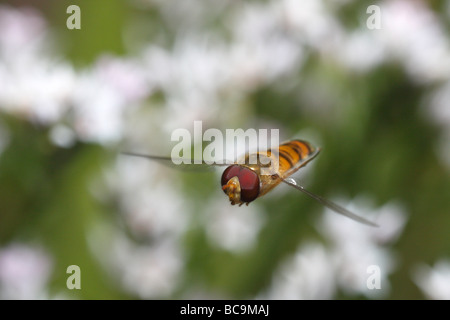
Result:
[
  {"x": 312, "y": 22},
  {"x": 308, "y": 274},
  {"x": 356, "y": 247},
  {"x": 149, "y": 199},
  {"x": 191, "y": 77},
  {"x": 33, "y": 85},
  {"x": 434, "y": 282},
  {"x": 316, "y": 271},
  {"x": 24, "y": 272},
  {"x": 20, "y": 30},
  {"x": 230, "y": 227},
  {"x": 412, "y": 33},
  {"x": 360, "y": 50},
  {"x": 148, "y": 271},
  {"x": 104, "y": 95}
]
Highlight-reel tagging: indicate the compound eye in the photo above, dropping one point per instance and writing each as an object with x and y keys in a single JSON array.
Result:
[
  {"x": 230, "y": 172},
  {"x": 249, "y": 182}
]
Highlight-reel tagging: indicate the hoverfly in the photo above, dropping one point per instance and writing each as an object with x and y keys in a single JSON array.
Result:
[{"x": 243, "y": 181}]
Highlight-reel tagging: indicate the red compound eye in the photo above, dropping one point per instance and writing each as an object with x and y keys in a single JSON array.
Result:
[
  {"x": 248, "y": 180},
  {"x": 230, "y": 172}
]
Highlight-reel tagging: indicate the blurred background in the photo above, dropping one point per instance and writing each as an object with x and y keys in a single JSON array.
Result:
[{"x": 374, "y": 99}]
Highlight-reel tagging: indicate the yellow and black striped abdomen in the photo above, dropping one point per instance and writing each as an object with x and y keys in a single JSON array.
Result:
[
  {"x": 283, "y": 161},
  {"x": 292, "y": 155}
]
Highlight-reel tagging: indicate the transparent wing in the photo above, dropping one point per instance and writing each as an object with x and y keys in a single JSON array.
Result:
[
  {"x": 185, "y": 164},
  {"x": 329, "y": 204}
]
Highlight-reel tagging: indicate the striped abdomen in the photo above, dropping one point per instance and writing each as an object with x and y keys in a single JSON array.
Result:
[
  {"x": 285, "y": 160},
  {"x": 292, "y": 155}
]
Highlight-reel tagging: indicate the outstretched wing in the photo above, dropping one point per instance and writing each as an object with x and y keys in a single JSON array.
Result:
[
  {"x": 184, "y": 164},
  {"x": 329, "y": 204}
]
